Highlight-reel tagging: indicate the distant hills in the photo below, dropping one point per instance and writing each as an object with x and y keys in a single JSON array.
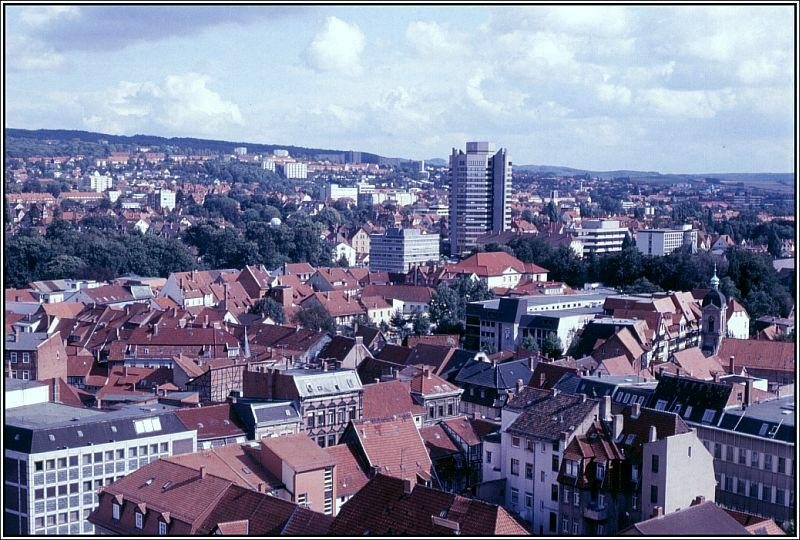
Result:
[{"x": 734, "y": 177}]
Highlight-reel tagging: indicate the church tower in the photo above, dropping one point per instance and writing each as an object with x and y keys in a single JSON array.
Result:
[{"x": 714, "y": 318}]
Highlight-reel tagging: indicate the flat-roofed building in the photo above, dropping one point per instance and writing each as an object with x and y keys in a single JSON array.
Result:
[
  {"x": 661, "y": 242},
  {"x": 399, "y": 250}
]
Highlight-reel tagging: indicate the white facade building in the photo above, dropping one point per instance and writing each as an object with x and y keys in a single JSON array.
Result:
[
  {"x": 99, "y": 182},
  {"x": 600, "y": 236},
  {"x": 662, "y": 242},
  {"x": 335, "y": 192},
  {"x": 293, "y": 169},
  {"x": 399, "y": 250}
]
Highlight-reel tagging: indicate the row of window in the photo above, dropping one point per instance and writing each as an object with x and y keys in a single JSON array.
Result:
[
  {"x": 99, "y": 457},
  {"x": 318, "y": 419},
  {"x": 22, "y": 374},
  {"x": 26, "y": 358},
  {"x": 742, "y": 456},
  {"x": 139, "y": 519},
  {"x": 530, "y": 445},
  {"x": 756, "y": 490}
]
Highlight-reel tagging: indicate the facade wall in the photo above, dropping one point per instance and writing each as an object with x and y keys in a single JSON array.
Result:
[{"x": 747, "y": 479}]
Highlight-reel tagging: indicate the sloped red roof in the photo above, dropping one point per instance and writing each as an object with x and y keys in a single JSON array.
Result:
[
  {"x": 298, "y": 451},
  {"x": 394, "y": 446},
  {"x": 493, "y": 264},
  {"x": 758, "y": 354},
  {"x": 387, "y": 399},
  {"x": 212, "y": 422},
  {"x": 350, "y": 477}
]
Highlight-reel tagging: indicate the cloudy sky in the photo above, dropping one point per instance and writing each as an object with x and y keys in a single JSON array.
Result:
[{"x": 674, "y": 89}]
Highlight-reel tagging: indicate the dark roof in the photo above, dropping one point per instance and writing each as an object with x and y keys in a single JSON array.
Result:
[
  {"x": 45, "y": 427},
  {"x": 703, "y": 519},
  {"x": 547, "y": 413},
  {"x": 677, "y": 394},
  {"x": 338, "y": 347},
  {"x": 771, "y": 419},
  {"x": 394, "y": 353},
  {"x": 547, "y": 374},
  {"x": 714, "y": 298},
  {"x": 636, "y": 431},
  {"x": 382, "y": 508},
  {"x": 212, "y": 422},
  {"x": 505, "y": 310},
  {"x": 305, "y": 522},
  {"x": 497, "y": 376}
]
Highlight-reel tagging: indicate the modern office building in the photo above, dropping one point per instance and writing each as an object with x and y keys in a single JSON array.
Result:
[
  {"x": 163, "y": 199},
  {"x": 399, "y": 250},
  {"x": 334, "y": 192},
  {"x": 600, "y": 236},
  {"x": 664, "y": 241},
  {"x": 99, "y": 182},
  {"x": 57, "y": 456},
  {"x": 480, "y": 189}
]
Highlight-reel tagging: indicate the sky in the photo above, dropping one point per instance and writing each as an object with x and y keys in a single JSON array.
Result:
[{"x": 675, "y": 89}]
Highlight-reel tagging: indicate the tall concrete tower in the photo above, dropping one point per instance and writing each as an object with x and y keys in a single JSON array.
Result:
[{"x": 480, "y": 189}]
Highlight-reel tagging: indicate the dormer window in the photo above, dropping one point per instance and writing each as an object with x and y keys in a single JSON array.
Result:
[
  {"x": 139, "y": 520},
  {"x": 708, "y": 416},
  {"x": 162, "y": 528},
  {"x": 115, "y": 510},
  {"x": 571, "y": 468},
  {"x": 600, "y": 471}
]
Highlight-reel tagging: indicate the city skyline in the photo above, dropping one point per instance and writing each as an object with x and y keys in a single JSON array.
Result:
[{"x": 688, "y": 89}]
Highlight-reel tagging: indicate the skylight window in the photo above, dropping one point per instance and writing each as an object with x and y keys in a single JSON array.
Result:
[
  {"x": 661, "y": 404},
  {"x": 708, "y": 416},
  {"x": 147, "y": 425},
  {"x": 763, "y": 430},
  {"x": 688, "y": 412}
]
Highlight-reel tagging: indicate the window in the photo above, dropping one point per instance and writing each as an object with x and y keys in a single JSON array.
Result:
[
  {"x": 600, "y": 471},
  {"x": 689, "y": 451},
  {"x": 13, "y": 357},
  {"x": 321, "y": 441},
  {"x": 601, "y": 501},
  {"x": 529, "y": 470},
  {"x": 708, "y": 416},
  {"x": 541, "y": 476},
  {"x": 601, "y": 530},
  {"x": 766, "y": 493},
  {"x": 717, "y": 451},
  {"x": 332, "y": 439},
  {"x": 515, "y": 442},
  {"x": 441, "y": 411},
  {"x": 742, "y": 456},
  {"x": 554, "y": 463},
  {"x": 740, "y": 487},
  {"x": 164, "y": 447},
  {"x": 121, "y": 453},
  {"x": 565, "y": 525},
  {"x": 782, "y": 465},
  {"x": 754, "y": 459},
  {"x": 515, "y": 467},
  {"x": 554, "y": 492},
  {"x": 115, "y": 511},
  {"x": 110, "y": 455},
  {"x": 331, "y": 417},
  {"x": 653, "y": 494},
  {"x": 553, "y": 521},
  {"x": 162, "y": 527},
  {"x": 139, "y": 520},
  {"x": 661, "y": 404},
  {"x": 530, "y": 445},
  {"x": 754, "y": 490},
  {"x": 352, "y": 413},
  {"x": 577, "y": 496},
  {"x": 654, "y": 464},
  {"x": 302, "y": 498},
  {"x": 50, "y": 464},
  {"x": 768, "y": 462},
  {"x": 514, "y": 496},
  {"x": 488, "y": 456},
  {"x": 556, "y": 446},
  {"x": 571, "y": 468},
  {"x": 688, "y": 412},
  {"x": 310, "y": 421},
  {"x": 728, "y": 483},
  {"x": 26, "y": 358},
  {"x": 729, "y": 453},
  {"x": 567, "y": 495},
  {"x": 574, "y": 526},
  {"x": 634, "y": 502}
]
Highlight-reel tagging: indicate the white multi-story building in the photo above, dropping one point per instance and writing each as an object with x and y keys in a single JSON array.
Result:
[
  {"x": 399, "y": 250},
  {"x": 293, "y": 169},
  {"x": 268, "y": 165},
  {"x": 664, "y": 241},
  {"x": 240, "y": 151},
  {"x": 56, "y": 457},
  {"x": 600, "y": 236},
  {"x": 99, "y": 182},
  {"x": 480, "y": 189},
  {"x": 334, "y": 192},
  {"x": 164, "y": 199}
]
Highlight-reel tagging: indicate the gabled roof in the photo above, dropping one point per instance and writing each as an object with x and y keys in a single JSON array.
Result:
[
  {"x": 394, "y": 446},
  {"x": 694, "y": 364},
  {"x": 438, "y": 442},
  {"x": 298, "y": 451},
  {"x": 350, "y": 478},
  {"x": 547, "y": 374},
  {"x": 405, "y": 293},
  {"x": 486, "y": 265},
  {"x": 212, "y": 422},
  {"x": 428, "y": 384},
  {"x": 677, "y": 394},
  {"x": 758, "y": 354},
  {"x": 387, "y": 399},
  {"x": 546, "y": 414},
  {"x": 237, "y": 463},
  {"x": 382, "y": 508}
]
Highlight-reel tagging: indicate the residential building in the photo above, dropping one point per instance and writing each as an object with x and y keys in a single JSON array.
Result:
[
  {"x": 660, "y": 242},
  {"x": 600, "y": 236},
  {"x": 480, "y": 191},
  {"x": 19, "y": 393},
  {"x": 344, "y": 251},
  {"x": 35, "y": 356},
  {"x": 497, "y": 270},
  {"x": 487, "y": 384},
  {"x": 99, "y": 182},
  {"x": 327, "y": 400},
  {"x": 704, "y": 518},
  {"x": 268, "y": 419},
  {"x": 334, "y": 192},
  {"x": 167, "y": 498},
  {"x": 293, "y": 169},
  {"x": 57, "y": 456},
  {"x": 399, "y": 250},
  {"x": 163, "y": 199}
]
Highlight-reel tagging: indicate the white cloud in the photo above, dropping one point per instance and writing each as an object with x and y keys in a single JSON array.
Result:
[
  {"x": 180, "y": 105},
  {"x": 432, "y": 38},
  {"x": 42, "y": 15},
  {"x": 611, "y": 93},
  {"x": 337, "y": 47}
]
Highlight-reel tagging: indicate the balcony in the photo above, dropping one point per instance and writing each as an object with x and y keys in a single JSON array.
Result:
[{"x": 592, "y": 512}]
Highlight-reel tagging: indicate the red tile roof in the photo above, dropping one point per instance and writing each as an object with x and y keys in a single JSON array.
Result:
[
  {"x": 394, "y": 446},
  {"x": 493, "y": 264},
  {"x": 438, "y": 442},
  {"x": 387, "y": 399},
  {"x": 430, "y": 384},
  {"x": 350, "y": 477},
  {"x": 382, "y": 508},
  {"x": 758, "y": 354}
]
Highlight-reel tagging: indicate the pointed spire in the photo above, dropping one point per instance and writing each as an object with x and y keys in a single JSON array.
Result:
[{"x": 715, "y": 279}]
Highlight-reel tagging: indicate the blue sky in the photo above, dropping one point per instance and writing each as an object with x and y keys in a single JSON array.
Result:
[{"x": 674, "y": 89}]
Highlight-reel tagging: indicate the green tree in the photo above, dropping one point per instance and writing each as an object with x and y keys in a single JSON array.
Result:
[
  {"x": 316, "y": 319},
  {"x": 420, "y": 324},
  {"x": 267, "y": 307},
  {"x": 551, "y": 346},
  {"x": 529, "y": 344}
]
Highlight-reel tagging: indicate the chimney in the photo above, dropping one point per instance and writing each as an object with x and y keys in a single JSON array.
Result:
[
  {"x": 532, "y": 363},
  {"x": 408, "y": 486},
  {"x": 731, "y": 365},
  {"x": 652, "y": 434},
  {"x": 658, "y": 512},
  {"x": 605, "y": 409},
  {"x": 125, "y": 370},
  {"x": 359, "y": 339},
  {"x": 747, "y": 388},
  {"x": 541, "y": 380},
  {"x": 396, "y": 373},
  {"x": 427, "y": 372},
  {"x": 324, "y": 365},
  {"x": 377, "y": 381},
  {"x": 202, "y": 471},
  {"x": 583, "y": 398},
  {"x": 700, "y": 499},
  {"x": 616, "y": 425},
  {"x": 520, "y": 385},
  {"x": 155, "y": 329},
  {"x": 636, "y": 409},
  {"x": 261, "y": 487},
  {"x": 678, "y": 371}
]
